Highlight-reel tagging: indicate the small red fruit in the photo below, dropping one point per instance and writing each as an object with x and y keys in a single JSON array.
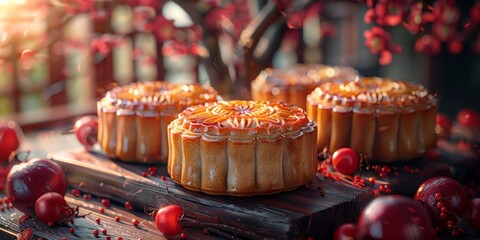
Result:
[
  {"x": 10, "y": 135},
  {"x": 443, "y": 125},
  {"x": 51, "y": 208},
  {"x": 468, "y": 118},
  {"x": 395, "y": 217},
  {"x": 128, "y": 205},
  {"x": 105, "y": 202},
  {"x": 346, "y": 231},
  {"x": 86, "y": 129},
  {"x": 135, "y": 222},
  {"x": 345, "y": 160},
  {"x": 442, "y": 192},
  {"x": 168, "y": 219},
  {"x": 474, "y": 219}
]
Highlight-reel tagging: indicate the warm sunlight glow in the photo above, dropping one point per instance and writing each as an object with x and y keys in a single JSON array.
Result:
[{"x": 12, "y": 2}]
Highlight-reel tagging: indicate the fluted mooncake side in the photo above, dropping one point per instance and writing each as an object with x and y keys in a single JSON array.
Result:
[
  {"x": 242, "y": 148},
  {"x": 133, "y": 119},
  {"x": 384, "y": 119}
]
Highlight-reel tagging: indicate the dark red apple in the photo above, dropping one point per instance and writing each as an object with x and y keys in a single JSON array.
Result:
[
  {"x": 445, "y": 200},
  {"x": 395, "y": 217},
  {"x": 86, "y": 130},
  {"x": 346, "y": 231},
  {"x": 10, "y": 134},
  {"x": 27, "y": 181}
]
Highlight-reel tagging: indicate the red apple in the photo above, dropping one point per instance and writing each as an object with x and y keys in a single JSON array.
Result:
[
  {"x": 346, "y": 231},
  {"x": 345, "y": 160},
  {"x": 468, "y": 118},
  {"x": 395, "y": 217},
  {"x": 86, "y": 129},
  {"x": 445, "y": 200},
  {"x": 10, "y": 135}
]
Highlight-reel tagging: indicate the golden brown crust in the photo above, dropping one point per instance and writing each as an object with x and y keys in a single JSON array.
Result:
[
  {"x": 293, "y": 84},
  {"x": 389, "y": 119},
  {"x": 245, "y": 148},
  {"x": 133, "y": 119}
]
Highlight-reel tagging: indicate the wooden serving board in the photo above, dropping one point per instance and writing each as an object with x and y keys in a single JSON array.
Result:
[
  {"x": 314, "y": 210},
  {"x": 10, "y": 220}
]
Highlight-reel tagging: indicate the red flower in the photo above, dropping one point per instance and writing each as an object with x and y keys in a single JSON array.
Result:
[
  {"x": 455, "y": 45},
  {"x": 443, "y": 32},
  {"x": 217, "y": 18},
  {"x": 295, "y": 19},
  {"x": 163, "y": 28},
  {"x": 150, "y": 3},
  {"x": 427, "y": 44},
  {"x": 100, "y": 45},
  {"x": 390, "y": 12},
  {"x": 414, "y": 23},
  {"x": 444, "y": 11},
  {"x": 379, "y": 42},
  {"x": 369, "y": 16},
  {"x": 86, "y": 5},
  {"x": 174, "y": 49},
  {"x": 315, "y": 9},
  {"x": 282, "y": 5},
  {"x": 327, "y": 29}
]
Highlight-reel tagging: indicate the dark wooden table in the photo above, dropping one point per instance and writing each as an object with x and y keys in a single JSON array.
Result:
[{"x": 314, "y": 210}]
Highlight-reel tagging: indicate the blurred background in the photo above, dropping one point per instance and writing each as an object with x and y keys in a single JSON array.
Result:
[{"x": 57, "y": 57}]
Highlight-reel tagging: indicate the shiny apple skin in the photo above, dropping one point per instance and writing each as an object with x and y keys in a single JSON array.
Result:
[{"x": 395, "y": 217}]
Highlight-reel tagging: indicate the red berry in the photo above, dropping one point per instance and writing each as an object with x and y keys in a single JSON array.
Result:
[
  {"x": 167, "y": 220},
  {"x": 95, "y": 232},
  {"x": 86, "y": 129},
  {"x": 345, "y": 232},
  {"x": 10, "y": 135},
  {"x": 97, "y": 220},
  {"x": 452, "y": 195},
  {"x": 443, "y": 125},
  {"x": 135, "y": 222},
  {"x": 104, "y": 231},
  {"x": 474, "y": 219},
  {"x": 183, "y": 235},
  {"x": 71, "y": 230},
  {"x": 105, "y": 202},
  {"x": 75, "y": 192},
  {"x": 144, "y": 174},
  {"x": 128, "y": 205},
  {"x": 101, "y": 210},
  {"x": 468, "y": 118},
  {"x": 87, "y": 196},
  {"x": 117, "y": 218},
  {"x": 108, "y": 238},
  {"x": 395, "y": 217},
  {"x": 345, "y": 160}
]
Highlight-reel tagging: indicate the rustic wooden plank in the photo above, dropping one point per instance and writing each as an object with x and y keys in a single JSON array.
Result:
[
  {"x": 84, "y": 226},
  {"x": 304, "y": 212}
]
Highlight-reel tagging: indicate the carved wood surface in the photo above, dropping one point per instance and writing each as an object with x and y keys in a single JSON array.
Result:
[{"x": 304, "y": 212}]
